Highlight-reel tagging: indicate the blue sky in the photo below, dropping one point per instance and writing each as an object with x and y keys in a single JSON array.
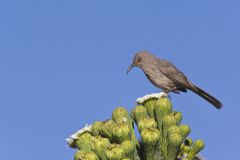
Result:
[{"x": 63, "y": 64}]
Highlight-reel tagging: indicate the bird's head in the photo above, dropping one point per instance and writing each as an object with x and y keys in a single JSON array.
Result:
[{"x": 140, "y": 59}]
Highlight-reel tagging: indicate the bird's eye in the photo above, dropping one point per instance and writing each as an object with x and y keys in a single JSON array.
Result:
[{"x": 139, "y": 59}]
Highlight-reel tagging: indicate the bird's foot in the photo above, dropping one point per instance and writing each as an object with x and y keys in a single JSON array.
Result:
[{"x": 165, "y": 94}]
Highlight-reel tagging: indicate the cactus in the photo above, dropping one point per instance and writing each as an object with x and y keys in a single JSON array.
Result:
[
  {"x": 150, "y": 138},
  {"x": 162, "y": 136},
  {"x": 85, "y": 155}
]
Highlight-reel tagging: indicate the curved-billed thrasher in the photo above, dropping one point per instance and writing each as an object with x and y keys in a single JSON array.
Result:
[{"x": 164, "y": 75}]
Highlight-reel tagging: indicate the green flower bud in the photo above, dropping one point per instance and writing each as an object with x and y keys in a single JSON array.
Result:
[
  {"x": 177, "y": 116},
  {"x": 174, "y": 142},
  {"x": 129, "y": 148},
  {"x": 183, "y": 151},
  {"x": 138, "y": 113},
  {"x": 150, "y": 138},
  {"x": 164, "y": 102},
  {"x": 163, "y": 107},
  {"x": 125, "y": 159},
  {"x": 120, "y": 114},
  {"x": 121, "y": 132},
  {"x": 188, "y": 142},
  {"x": 174, "y": 129},
  {"x": 146, "y": 123},
  {"x": 186, "y": 149},
  {"x": 85, "y": 155},
  {"x": 167, "y": 121},
  {"x": 185, "y": 130},
  {"x": 198, "y": 145},
  {"x": 99, "y": 146},
  {"x": 84, "y": 141},
  {"x": 150, "y": 104},
  {"x": 182, "y": 146},
  {"x": 106, "y": 129},
  {"x": 96, "y": 127},
  {"x": 115, "y": 152}
]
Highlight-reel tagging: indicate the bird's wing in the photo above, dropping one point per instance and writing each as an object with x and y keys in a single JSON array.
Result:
[{"x": 172, "y": 73}]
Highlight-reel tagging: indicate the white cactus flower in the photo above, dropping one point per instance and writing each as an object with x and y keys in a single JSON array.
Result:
[
  {"x": 74, "y": 136},
  {"x": 69, "y": 141},
  {"x": 86, "y": 128},
  {"x": 149, "y": 96}
]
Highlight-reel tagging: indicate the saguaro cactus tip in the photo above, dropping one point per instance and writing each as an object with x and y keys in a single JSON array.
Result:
[{"x": 162, "y": 136}]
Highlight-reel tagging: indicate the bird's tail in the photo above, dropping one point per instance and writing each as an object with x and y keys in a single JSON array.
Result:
[{"x": 214, "y": 101}]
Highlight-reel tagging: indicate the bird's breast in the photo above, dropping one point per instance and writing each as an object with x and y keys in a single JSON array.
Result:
[{"x": 157, "y": 78}]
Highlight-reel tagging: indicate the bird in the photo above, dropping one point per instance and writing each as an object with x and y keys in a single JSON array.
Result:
[{"x": 166, "y": 76}]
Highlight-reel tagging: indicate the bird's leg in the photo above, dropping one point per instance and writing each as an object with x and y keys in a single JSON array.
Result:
[
  {"x": 169, "y": 97},
  {"x": 166, "y": 91},
  {"x": 166, "y": 94}
]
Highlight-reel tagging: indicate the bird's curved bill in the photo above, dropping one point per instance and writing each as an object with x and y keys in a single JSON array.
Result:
[{"x": 130, "y": 67}]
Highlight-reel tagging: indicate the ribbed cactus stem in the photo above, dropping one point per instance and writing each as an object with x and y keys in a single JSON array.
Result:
[
  {"x": 173, "y": 129},
  {"x": 150, "y": 138},
  {"x": 162, "y": 107},
  {"x": 177, "y": 116},
  {"x": 106, "y": 129},
  {"x": 146, "y": 123},
  {"x": 121, "y": 132},
  {"x": 129, "y": 149},
  {"x": 120, "y": 115},
  {"x": 150, "y": 104},
  {"x": 96, "y": 127},
  {"x": 185, "y": 130},
  {"x": 167, "y": 121},
  {"x": 134, "y": 139},
  {"x": 115, "y": 152},
  {"x": 85, "y": 155},
  {"x": 186, "y": 150},
  {"x": 198, "y": 145},
  {"x": 99, "y": 146},
  {"x": 84, "y": 141},
  {"x": 174, "y": 142},
  {"x": 138, "y": 113}
]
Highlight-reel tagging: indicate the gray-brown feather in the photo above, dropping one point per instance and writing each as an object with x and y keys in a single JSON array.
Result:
[{"x": 166, "y": 76}]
